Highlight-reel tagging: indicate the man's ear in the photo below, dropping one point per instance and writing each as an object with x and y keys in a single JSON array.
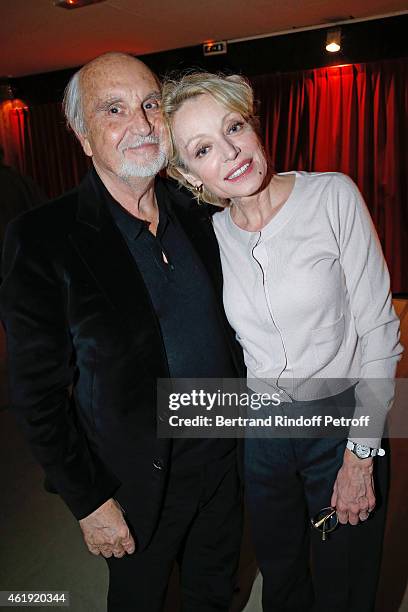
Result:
[{"x": 85, "y": 144}]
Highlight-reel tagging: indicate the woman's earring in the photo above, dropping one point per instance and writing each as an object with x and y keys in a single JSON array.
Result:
[{"x": 198, "y": 189}]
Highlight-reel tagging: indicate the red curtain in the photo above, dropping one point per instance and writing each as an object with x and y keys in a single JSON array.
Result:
[
  {"x": 351, "y": 119},
  {"x": 12, "y": 132},
  {"x": 36, "y": 142},
  {"x": 53, "y": 156}
]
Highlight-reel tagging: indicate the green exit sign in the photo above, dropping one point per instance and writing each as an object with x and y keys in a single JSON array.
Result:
[{"x": 215, "y": 48}]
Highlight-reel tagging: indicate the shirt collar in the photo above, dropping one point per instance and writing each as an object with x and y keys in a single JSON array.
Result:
[{"x": 128, "y": 224}]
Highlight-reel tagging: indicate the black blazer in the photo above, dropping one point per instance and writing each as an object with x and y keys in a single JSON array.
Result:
[{"x": 85, "y": 350}]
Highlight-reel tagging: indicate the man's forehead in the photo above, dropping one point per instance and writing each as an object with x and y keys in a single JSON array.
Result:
[
  {"x": 118, "y": 79},
  {"x": 121, "y": 91}
]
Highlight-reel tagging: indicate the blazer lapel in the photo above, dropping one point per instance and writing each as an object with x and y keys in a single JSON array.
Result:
[{"x": 104, "y": 252}]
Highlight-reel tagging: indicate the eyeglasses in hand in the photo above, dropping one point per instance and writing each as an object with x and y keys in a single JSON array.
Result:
[{"x": 325, "y": 521}]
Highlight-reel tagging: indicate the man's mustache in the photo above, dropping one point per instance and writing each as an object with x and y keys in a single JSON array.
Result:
[{"x": 138, "y": 141}]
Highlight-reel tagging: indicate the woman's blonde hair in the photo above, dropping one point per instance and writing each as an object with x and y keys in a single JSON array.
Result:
[{"x": 234, "y": 92}]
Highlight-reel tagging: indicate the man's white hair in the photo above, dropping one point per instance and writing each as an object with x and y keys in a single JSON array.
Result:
[{"x": 72, "y": 104}]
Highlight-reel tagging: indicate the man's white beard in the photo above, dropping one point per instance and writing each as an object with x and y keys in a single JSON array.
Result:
[{"x": 131, "y": 169}]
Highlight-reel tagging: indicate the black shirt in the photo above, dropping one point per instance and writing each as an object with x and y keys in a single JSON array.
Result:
[{"x": 186, "y": 307}]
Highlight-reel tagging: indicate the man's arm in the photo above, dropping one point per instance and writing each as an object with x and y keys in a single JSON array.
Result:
[{"x": 41, "y": 365}]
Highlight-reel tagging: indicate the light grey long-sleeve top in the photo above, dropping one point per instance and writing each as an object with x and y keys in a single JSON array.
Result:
[{"x": 309, "y": 295}]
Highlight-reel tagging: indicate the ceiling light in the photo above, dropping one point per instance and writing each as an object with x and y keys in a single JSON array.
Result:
[
  {"x": 75, "y": 4},
  {"x": 333, "y": 40}
]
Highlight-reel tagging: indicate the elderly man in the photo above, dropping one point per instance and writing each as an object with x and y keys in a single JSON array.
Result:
[{"x": 106, "y": 289}]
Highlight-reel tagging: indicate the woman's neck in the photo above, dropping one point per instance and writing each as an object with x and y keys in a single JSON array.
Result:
[{"x": 254, "y": 212}]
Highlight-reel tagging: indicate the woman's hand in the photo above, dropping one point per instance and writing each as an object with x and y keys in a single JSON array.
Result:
[{"x": 353, "y": 492}]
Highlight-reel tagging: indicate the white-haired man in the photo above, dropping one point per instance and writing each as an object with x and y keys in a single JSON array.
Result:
[{"x": 106, "y": 289}]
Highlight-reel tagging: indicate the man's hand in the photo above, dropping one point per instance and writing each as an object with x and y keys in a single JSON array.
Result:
[
  {"x": 105, "y": 531},
  {"x": 353, "y": 492}
]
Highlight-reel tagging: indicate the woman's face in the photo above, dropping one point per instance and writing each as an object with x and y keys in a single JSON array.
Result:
[{"x": 219, "y": 148}]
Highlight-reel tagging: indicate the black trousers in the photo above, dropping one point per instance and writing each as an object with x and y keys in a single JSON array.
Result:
[
  {"x": 287, "y": 482},
  {"x": 200, "y": 528}
]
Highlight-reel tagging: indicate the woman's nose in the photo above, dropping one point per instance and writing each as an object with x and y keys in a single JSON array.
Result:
[{"x": 231, "y": 151}]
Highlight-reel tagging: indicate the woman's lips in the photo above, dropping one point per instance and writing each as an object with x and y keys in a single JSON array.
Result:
[{"x": 240, "y": 171}]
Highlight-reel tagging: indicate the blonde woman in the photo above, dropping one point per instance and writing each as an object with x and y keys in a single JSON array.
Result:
[{"x": 307, "y": 291}]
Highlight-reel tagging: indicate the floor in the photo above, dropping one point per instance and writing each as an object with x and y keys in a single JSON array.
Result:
[{"x": 41, "y": 546}]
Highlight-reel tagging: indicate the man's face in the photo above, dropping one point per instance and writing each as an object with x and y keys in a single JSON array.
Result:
[{"x": 125, "y": 134}]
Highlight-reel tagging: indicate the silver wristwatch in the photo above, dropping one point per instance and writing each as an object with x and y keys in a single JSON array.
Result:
[{"x": 362, "y": 451}]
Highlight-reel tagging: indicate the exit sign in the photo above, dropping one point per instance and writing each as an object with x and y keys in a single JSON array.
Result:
[{"x": 215, "y": 48}]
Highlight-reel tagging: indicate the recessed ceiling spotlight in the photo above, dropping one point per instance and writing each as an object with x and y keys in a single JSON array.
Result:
[
  {"x": 75, "y": 4},
  {"x": 333, "y": 40}
]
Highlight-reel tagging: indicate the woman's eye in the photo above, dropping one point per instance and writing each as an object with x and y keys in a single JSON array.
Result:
[
  {"x": 235, "y": 127},
  {"x": 113, "y": 110},
  {"x": 201, "y": 151}
]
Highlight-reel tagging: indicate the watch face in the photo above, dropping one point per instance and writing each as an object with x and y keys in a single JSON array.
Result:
[{"x": 362, "y": 451}]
